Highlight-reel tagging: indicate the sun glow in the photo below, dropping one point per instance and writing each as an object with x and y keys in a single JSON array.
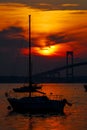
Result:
[{"x": 47, "y": 51}]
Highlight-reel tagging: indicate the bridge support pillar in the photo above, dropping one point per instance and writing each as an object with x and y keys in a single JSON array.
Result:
[{"x": 69, "y": 62}]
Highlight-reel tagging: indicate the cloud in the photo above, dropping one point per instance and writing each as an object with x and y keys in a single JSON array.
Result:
[
  {"x": 11, "y": 42},
  {"x": 11, "y": 31},
  {"x": 59, "y": 38},
  {"x": 70, "y": 5},
  {"x": 79, "y": 12},
  {"x": 52, "y": 39},
  {"x": 51, "y": 4},
  {"x": 12, "y": 39},
  {"x": 72, "y": 38},
  {"x": 59, "y": 5}
]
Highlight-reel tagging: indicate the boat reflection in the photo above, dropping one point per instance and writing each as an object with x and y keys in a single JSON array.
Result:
[{"x": 37, "y": 122}]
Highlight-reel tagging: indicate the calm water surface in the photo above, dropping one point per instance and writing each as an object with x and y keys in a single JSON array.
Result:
[{"x": 75, "y": 117}]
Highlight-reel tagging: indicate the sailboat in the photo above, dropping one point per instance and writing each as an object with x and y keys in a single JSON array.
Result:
[
  {"x": 26, "y": 88},
  {"x": 34, "y": 104}
]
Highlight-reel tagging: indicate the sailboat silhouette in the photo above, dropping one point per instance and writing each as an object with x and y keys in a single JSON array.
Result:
[{"x": 35, "y": 104}]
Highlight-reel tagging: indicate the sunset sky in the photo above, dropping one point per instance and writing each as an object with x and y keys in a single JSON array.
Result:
[{"x": 57, "y": 26}]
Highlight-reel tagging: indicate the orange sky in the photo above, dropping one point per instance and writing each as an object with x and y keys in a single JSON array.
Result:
[{"x": 53, "y": 32}]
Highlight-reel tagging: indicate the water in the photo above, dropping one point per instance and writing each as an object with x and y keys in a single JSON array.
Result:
[{"x": 75, "y": 117}]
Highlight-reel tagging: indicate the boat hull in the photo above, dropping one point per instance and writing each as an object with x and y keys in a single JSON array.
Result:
[{"x": 35, "y": 106}]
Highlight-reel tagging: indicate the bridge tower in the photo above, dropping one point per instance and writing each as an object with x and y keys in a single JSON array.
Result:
[{"x": 69, "y": 62}]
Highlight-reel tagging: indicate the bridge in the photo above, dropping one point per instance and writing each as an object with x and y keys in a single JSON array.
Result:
[{"x": 55, "y": 74}]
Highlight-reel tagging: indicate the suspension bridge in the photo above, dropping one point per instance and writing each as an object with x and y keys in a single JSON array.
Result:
[{"x": 55, "y": 75}]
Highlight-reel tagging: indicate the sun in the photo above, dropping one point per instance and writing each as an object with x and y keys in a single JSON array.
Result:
[
  {"x": 47, "y": 51},
  {"x": 50, "y": 51}
]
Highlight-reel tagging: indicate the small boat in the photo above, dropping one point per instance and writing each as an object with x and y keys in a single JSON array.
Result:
[
  {"x": 27, "y": 88},
  {"x": 85, "y": 86},
  {"x": 34, "y": 104}
]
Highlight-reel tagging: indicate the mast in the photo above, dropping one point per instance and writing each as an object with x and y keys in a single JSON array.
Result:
[{"x": 30, "y": 67}]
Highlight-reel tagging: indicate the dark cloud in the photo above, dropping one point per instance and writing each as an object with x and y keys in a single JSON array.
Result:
[
  {"x": 51, "y": 4},
  {"x": 54, "y": 39},
  {"x": 12, "y": 62},
  {"x": 59, "y": 38},
  {"x": 12, "y": 37},
  {"x": 10, "y": 31},
  {"x": 13, "y": 29}
]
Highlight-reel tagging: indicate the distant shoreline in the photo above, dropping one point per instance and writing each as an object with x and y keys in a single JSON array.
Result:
[{"x": 22, "y": 79}]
